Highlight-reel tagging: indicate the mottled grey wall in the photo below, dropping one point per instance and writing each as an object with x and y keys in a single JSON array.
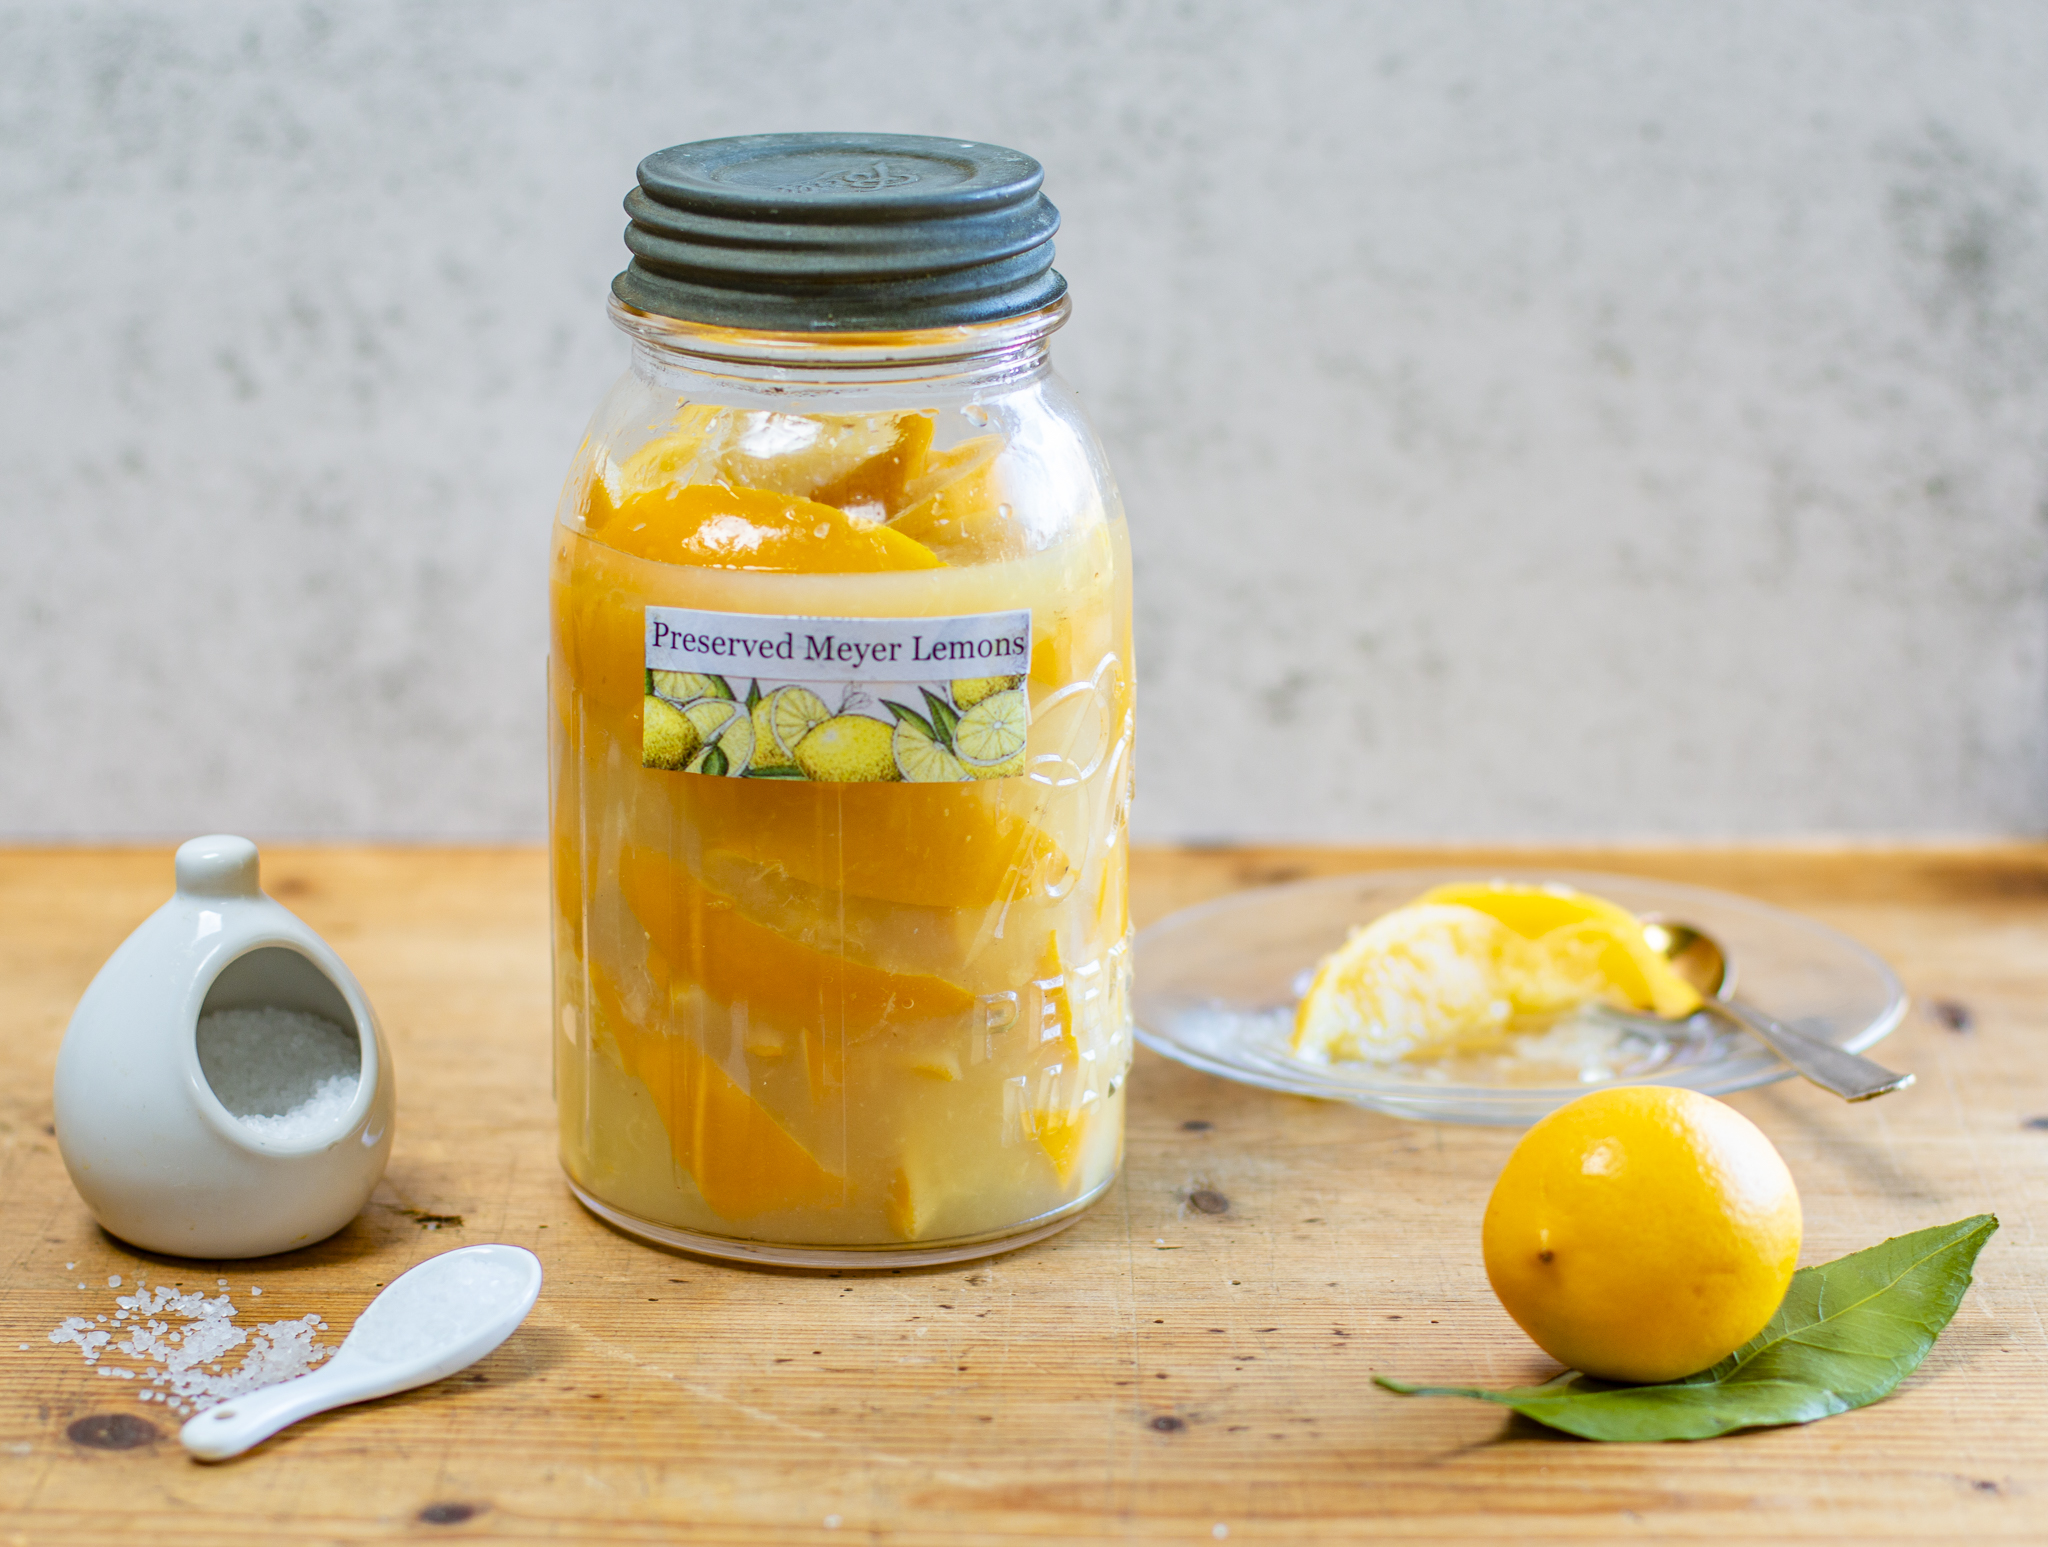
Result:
[{"x": 1569, "y": 419}]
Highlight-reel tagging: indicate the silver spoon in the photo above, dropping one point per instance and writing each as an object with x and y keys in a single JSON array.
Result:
[
  {"x": 437, "y": 1318},
  {"x": 1698, "y": 958}
]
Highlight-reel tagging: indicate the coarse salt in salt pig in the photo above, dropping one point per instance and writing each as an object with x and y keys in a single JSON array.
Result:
[{"x": 223, "y": 1089}]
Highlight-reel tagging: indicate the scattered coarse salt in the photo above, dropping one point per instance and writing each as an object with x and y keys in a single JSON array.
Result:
[
  {"x": 113, "y": 1281},
  {"x": 289, "y": 1076},
  {"x": 255, "y": 1289},
  {"x": 70, "y": 1267},
  {"x": 185, "y": 1362}
]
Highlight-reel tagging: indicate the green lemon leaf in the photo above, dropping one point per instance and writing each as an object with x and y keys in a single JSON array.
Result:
[
  {"x": 1848, "y": 1332},
  {"x": 910, "y": 717},
  {"x": 943, "y": 718}
]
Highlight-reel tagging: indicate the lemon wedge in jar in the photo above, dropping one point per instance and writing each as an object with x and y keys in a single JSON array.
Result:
[{"x": 1465, "y": 965}]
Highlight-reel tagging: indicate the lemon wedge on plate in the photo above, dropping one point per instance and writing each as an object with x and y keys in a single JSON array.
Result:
[
  {"x": 1465, "y": 965},
  {"x": 1575, "y": 924}
]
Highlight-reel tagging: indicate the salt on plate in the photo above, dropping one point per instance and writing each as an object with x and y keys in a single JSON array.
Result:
[{"x": 289, "y": 1076}]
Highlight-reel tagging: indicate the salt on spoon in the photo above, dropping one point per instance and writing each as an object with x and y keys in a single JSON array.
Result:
[{"x": 435, "y": 1319}]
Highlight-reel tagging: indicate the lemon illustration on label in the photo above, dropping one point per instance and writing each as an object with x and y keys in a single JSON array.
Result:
[
  {"x": 969, "y": 691},
  {"x": 679, "y": 687},
  {"x": 990, "y": 737},
  {"x": 668, "y": 739},
  {"x": 923, "y": 760},
  {"x": 792, "y": 713},
  {"x": 769, "y": 757},
  {"x": 848, "y": 749},
  {"x": 728, "y": 735}
]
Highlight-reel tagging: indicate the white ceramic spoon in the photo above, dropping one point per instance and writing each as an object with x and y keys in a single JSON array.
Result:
[{"x": 435, "y": 1319}]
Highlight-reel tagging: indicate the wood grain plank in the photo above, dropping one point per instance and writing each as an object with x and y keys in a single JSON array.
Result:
[{"x": 1153, "y": 1373}]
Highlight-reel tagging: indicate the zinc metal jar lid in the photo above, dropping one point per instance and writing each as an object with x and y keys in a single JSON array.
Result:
[{"x": 840, "y": 233}]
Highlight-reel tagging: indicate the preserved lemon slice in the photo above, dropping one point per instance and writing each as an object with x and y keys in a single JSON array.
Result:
[
  {"x": 875, "y": 490},
  {"x": 668, "y": 737},
  {"x": 709, "y": 524},
  {"x": 918, "y": 1194},
  {"x": 848, "y": 749},
  {"x": 806, "y": 454},
  {"x": 937, "y": 1064},
  {"x": 992, "y": 733},
  {"x": 1470, "y": 962},
  {"x": 923, "y": 760},
  {"x": 964, "y": 516},
  {"x": 666, "y": 459},
  {"x": 968, "y": 845},
  {"x": 951, "y": 466},
  {"x": 743, "y": 1161},
  {"x": 863, "y": 457},
  {"x": 1421, "y": 980},
  {"x": 706, "y": 941},
  {"x": 1609, "y": 932},
  {"x": 669, "y": 457},
  {"x": 683, "y": 686},
  {"x": 794, "y": 711},
  {"x": 1060, "y": 1135},
  {"x": 1058, "y": 1004}
]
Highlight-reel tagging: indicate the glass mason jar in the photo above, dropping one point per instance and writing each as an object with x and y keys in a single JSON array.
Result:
[{"x": 841, "y": 721}]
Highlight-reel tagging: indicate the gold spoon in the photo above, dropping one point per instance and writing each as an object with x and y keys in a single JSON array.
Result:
[{"x": 1698, "y": 958}]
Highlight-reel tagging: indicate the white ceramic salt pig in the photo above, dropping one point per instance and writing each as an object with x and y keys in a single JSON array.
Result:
[{"x": 158, "y": 1159}]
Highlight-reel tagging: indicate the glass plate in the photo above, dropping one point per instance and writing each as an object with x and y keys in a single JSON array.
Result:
[{"x": 1217, "y": 986}]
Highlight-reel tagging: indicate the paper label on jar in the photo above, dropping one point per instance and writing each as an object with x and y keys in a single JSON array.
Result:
[{"x": 836, "y": 700}]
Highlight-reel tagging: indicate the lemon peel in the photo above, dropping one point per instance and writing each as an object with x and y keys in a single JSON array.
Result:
[{"x": 726, "y": 527}]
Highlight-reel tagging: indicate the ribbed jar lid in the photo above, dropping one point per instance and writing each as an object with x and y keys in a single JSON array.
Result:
[{"x": 839, "y": 232}]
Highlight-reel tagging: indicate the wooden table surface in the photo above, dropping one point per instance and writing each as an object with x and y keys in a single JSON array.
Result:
[{"x": 1100, "y": 1386}]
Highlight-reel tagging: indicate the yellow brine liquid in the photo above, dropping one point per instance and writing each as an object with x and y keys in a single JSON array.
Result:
[{"x": 838, "y": 967}]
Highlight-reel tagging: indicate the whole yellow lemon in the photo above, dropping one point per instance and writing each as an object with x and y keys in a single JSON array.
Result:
[{"x": 1643, "y": 1232}]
